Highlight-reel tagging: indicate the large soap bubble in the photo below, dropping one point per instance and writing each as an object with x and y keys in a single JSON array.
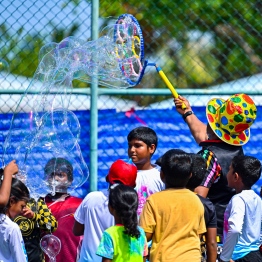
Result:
[
  {"x": 49, "y": 130},
  {"x": 115, "y": 58},
  {"x": 56, "y": 137}
]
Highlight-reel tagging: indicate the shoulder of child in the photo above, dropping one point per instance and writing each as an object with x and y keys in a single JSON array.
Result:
[
  {"x": 103, "y": 194},
  {"x": 153, "y": 169}
]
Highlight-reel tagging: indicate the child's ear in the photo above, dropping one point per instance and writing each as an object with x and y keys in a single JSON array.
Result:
[
  {"x": 111, "y": 210},
  {"x": 12, "y": 201},
  {"x": 152, "y": 148},
  {"x": 236, "y": 176}
]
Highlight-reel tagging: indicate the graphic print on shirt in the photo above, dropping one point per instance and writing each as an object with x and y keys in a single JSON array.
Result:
[{"x": 143, "y": 193}]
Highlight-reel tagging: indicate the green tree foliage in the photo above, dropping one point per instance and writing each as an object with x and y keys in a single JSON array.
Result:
[
  {"x": 20, "y": 51},
  {"x": 197, "y": 43},
  {"x": 20, "y": 48}
]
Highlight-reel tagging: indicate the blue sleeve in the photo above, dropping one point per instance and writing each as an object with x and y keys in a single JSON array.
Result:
[
  {"x": 106, "y": 247},
  {"x": 213, "y": 218}
]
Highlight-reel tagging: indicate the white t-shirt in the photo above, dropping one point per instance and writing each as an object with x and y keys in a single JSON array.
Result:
[
  {"x": 12, "y": 248},
  {"x": 148, "y": 182},
  {"x": 242, "y": 223},
  {"x": 94, "y": 214}
]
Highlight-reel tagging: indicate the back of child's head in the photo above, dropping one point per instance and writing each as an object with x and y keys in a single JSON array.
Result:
[
  {"x": 122, "y": 172},
  {"x": 145, "y": 134},
  {"x": 248, "y": 168},
  {"x": 198, "y": 171},
  {"x": 18, "y": 192},
  {"x": 176, "y": 150},
  {"x": 124, "y": 200},
  {"x": 57, "y": 165},
  {"x": 176, "y": 168}
]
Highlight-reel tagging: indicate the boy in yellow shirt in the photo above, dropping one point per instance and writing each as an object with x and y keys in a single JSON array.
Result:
[{"x": 174, "y": 218}]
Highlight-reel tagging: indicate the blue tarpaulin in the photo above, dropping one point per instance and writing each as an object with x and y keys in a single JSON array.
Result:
[{"x": 113, "y": 128}]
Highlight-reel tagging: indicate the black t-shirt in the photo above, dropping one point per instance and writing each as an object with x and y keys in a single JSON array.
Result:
[
  {"x": 210, "y": 212},
  {"x": 219, "y": 193}
]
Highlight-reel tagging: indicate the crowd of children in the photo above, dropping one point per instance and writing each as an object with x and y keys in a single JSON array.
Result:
[{"x": 168, "y": 211}]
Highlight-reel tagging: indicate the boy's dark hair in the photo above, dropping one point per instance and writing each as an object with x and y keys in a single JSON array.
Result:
[
  {"x": 159, "y": 161},
  {"x": 59, "y": 164},
  {"x": 145, "y": 134},
  {"x": 198, "y": 171},
  {"x": 248, "y": 168},
  {"x": 18, "y": 192},
  {"x": 124, "y": 200},
  {"x": 178, "y": 151},
  {"x": 1, "y": 174},
  {"x": 176, "y": 167}
]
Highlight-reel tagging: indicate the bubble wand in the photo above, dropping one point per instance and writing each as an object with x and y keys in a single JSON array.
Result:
[{"x": 138, "y": 52}]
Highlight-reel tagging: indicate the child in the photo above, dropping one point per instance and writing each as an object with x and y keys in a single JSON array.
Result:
[
  {"x": 174, "y": 217},
  {"x": 59, "y": 173},
  {"x": 35, "y": 219},
  {"x": 142, "y": 143},
  {"x": 8, "y": 172},
  {"x": 227, "y": 130},
  {"x": 198, "y": 174},
  {"x": 242, "y": 219},
  {"x": 125, "y": 241},
  {"x": 12, "y": 247},
  {"x": 92, "y": 217}
]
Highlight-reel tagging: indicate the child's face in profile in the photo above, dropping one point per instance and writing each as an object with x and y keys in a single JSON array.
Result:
[
  {"x": 16, "y": 208},
  {"x": 139, "y": 152},
  {"x": 230, "y": 177}
]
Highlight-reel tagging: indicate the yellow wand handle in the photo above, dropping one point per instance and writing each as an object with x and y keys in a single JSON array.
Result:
[{"x": 169, "y": 85}]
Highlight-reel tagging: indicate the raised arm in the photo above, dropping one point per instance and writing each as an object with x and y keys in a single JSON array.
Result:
[
  {"x": 197, "y": 127},
  {"x": 213, "y": 172},
  {"x": 10, "y": 170}
]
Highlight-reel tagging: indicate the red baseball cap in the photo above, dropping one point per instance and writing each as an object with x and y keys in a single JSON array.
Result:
[{"x": 121, "y": 171}]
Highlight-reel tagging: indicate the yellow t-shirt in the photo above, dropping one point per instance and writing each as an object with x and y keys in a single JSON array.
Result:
[{"x": 175, "y": 217}]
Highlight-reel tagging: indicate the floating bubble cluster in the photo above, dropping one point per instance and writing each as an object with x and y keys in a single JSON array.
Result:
[
  {"x": 56, "y": 137},
  {"x": 50, "y": 129},
  {"x": 115, "y": 58}
]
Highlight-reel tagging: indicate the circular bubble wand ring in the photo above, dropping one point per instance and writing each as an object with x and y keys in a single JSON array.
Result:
[{"x": 137, "y": 35}]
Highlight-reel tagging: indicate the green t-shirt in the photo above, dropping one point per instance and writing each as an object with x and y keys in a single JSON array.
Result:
[{"x": 120, "y": 247}]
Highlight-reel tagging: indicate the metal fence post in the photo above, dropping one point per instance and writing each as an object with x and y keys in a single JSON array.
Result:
[{"x": 93, "y": 108}]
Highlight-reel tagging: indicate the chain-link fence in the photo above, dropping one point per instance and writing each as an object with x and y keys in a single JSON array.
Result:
[{"x": 200, "y": 45}]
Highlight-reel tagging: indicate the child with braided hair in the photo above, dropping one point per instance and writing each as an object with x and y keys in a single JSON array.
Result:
[
  {"x": 125, "y": 241},
  {"x": 12, "y": 248}
]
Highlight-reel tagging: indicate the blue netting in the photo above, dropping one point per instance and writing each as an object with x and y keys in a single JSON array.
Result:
[{"x": 113, "y": 128}]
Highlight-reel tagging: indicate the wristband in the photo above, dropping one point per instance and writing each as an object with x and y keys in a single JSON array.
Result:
[{"x": 188, "y": 113}]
